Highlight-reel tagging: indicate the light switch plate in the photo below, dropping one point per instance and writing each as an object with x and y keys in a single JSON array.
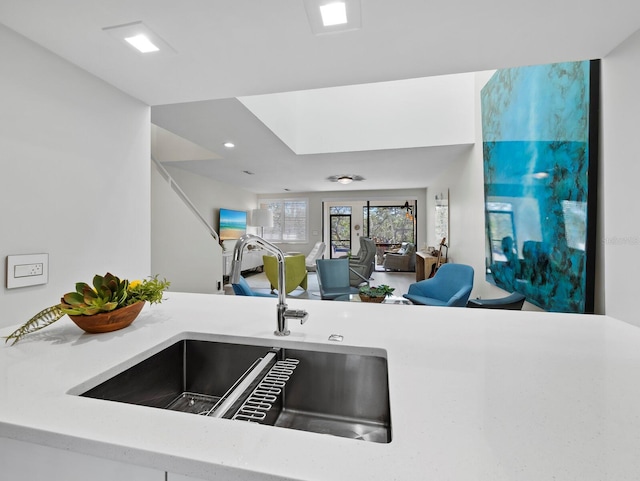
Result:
[{"x": 27, "y": 270}]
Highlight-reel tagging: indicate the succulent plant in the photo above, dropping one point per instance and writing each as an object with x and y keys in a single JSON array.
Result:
[
  {"x": 108, "y": 293},
  {"x": 382, "y": 290}
]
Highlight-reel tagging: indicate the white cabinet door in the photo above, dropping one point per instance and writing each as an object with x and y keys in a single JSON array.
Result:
[{"x": 20, "y": 461}]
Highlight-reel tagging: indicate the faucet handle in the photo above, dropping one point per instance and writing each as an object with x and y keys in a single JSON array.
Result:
[{"x": 297, "y": 314}]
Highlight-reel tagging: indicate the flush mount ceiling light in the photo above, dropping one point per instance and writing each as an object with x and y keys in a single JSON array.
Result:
[
  {"x": 332, "y": 16},
  {"x": 345, "y": 179},
  {"x": 229, "y": 145},
  {"x": 140, "y": 37}
]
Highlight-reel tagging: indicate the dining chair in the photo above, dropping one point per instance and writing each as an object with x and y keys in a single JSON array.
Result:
[{"x": 333, "y": 278}]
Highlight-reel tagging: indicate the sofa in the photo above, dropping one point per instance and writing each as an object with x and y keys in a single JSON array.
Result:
[{"x": 404, "y": 259}]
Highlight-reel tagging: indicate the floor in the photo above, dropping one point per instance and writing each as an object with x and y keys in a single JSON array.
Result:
[{"x": 398, "y": 280}]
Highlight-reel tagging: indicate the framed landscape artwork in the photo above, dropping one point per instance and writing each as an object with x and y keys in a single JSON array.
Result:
[
  {"x": 233, "y": 224},
  {"x": 540, "y": 148}
]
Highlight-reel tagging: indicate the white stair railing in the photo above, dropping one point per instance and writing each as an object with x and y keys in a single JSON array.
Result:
[{"x": 176, "y": 188}]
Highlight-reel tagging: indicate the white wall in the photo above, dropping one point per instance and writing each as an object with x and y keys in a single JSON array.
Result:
[
  {"x": 209, "y": 195},
  {"x": 74, "y": 154},
  {"x": 466, "y": 206},
  {"x": 620, "y": 171},
  {"x": 198, "y": 265},
  {"x": 181, "y": 246},
  {"x": 315, "y": 210},
  {"x": 409, "y": 113}
]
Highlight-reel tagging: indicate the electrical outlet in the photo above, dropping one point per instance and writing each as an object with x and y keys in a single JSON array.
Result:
[{"x": 27, "y": 270}]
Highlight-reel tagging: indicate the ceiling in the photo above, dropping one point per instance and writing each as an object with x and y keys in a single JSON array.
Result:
[
  {"x": 273, "y": 165},
  {"x": 232, "y": 48}
]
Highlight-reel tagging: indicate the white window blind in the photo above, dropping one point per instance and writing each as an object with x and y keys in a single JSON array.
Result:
[{"x": 290, "y": 220}]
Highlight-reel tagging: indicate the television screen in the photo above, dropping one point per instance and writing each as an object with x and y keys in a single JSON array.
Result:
[{"x": 233, "y": 224}]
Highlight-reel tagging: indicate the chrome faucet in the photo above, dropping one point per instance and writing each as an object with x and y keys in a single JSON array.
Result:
[{"x": 236, "y": 266}]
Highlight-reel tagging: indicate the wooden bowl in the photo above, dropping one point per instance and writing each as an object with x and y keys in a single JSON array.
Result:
[
  {"x": 108, "y": 321},
  {"x": 365, "y": 298}
]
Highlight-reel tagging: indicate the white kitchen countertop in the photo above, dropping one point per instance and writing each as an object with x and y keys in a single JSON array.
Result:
[{"x": 475, "y": 394}]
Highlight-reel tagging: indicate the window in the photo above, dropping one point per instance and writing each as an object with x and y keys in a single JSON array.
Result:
[
  {"x": 290, "y": 220},
  {"x": 502, "y": 237},
  {"x": 389, "y": 225},
  {"x": 575, "y": 223},
  {"x": 340, "y": 225}
]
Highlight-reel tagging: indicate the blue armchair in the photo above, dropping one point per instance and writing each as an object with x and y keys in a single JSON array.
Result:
[
  {"x": 333, "y": 278},
  {"x": 451, "y": 286},
  {"x": 242, "y": 288}
]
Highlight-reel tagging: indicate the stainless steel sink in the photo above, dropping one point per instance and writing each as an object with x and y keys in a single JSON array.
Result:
[{"x": 343, "y": 393}]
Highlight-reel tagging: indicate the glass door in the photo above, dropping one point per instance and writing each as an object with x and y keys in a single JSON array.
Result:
[
  {"x": 389, "y": 226},
  {"x": 340, "y": 227}
]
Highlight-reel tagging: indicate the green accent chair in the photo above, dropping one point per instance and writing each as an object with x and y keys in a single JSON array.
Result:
[{"x": 295, "y": 271}]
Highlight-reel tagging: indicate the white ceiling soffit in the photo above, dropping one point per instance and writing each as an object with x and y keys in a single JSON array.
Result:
[
  {"x": 231, "y": 48},
  {"x": 382, "y": 170},
  {"x": 169, "y": 147},
  {"x": 274, "y": 166},
  {"x": 425, "y": 112}
]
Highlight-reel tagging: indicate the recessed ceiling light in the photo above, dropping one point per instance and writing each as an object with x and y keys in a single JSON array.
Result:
[
  {"x": 229, "y": 145},
  {"x": 142, "y": 43},
  {"x": 140, "y": 37},
  {"x": 333, "y": 16},
  {"x": 333, "y": 13}
]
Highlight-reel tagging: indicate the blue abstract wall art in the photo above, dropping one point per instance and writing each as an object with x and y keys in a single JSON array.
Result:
[{"x": 539, "y": 127}]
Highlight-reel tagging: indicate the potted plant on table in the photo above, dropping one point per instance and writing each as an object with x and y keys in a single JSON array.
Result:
[
  {"x": 108, "y": 305},
  {"x": 375, "y": 293}
]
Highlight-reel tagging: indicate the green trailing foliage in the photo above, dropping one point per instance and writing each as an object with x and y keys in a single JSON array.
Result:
[
  {"x": 41, "y": 319},
  {"x": 149, "y": 290}
]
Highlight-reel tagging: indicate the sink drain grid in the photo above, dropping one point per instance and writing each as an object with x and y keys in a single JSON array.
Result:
[{"x": 260, "y": 401}]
